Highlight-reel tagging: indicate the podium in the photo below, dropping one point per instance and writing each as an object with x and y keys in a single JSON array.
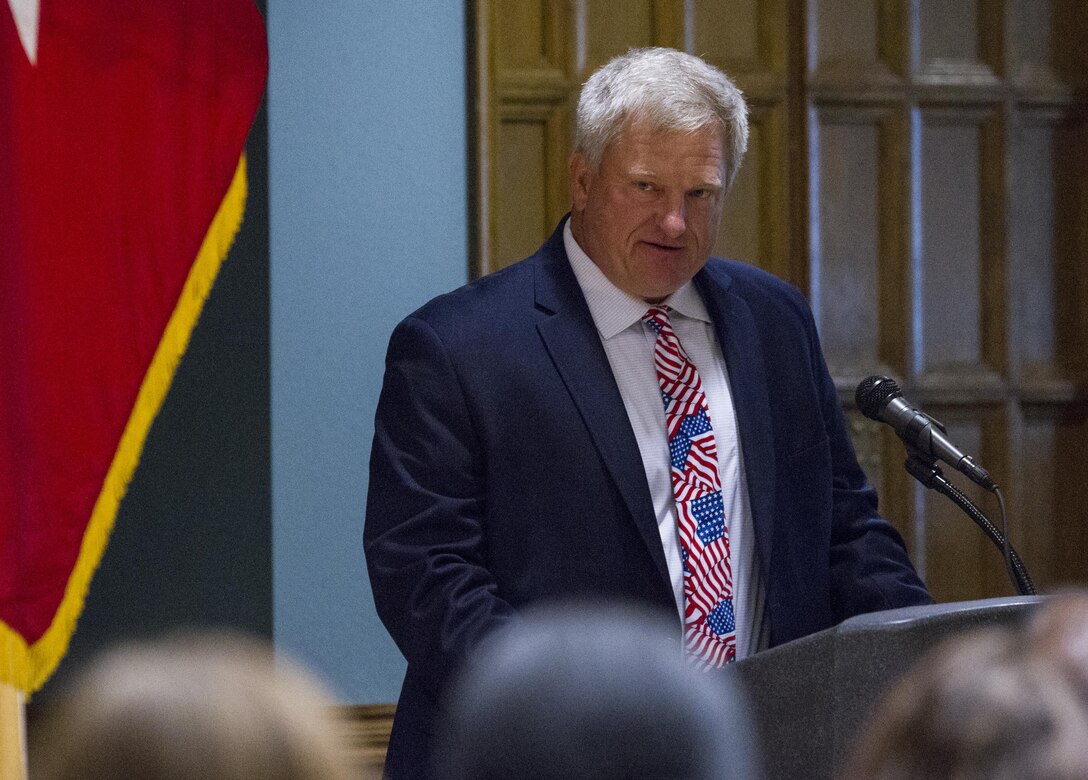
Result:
[{"x": 810, "y": 697}]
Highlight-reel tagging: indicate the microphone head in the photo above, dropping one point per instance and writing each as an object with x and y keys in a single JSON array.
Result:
[{"x": 873, "y": 394}]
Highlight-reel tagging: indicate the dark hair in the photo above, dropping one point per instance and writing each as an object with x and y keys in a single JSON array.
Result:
[{"x": 593, "y": 693}]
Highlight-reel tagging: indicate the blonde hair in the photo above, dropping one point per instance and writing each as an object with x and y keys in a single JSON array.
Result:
[
  {"x": 205, "y": 706},
  {"x": 982, "y": 706}
]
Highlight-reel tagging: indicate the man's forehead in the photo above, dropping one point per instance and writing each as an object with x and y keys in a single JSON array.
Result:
[
  {"x": 708, "y": 173},
  {"x": 643, "y": 149},
  {"x": 651, "y": 134}
]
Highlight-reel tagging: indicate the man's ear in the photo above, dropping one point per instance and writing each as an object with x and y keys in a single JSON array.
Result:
[{"x": 581, "y": 175}]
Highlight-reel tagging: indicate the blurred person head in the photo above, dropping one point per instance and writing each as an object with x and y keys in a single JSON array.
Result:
[
  {"x": 983, "y": 705},
  {"x": 581, "y": 692},
  {"x": 1058, "y": 630},
  {"x": 659, "y": 136},
  {"x": 209, "y": 706}
]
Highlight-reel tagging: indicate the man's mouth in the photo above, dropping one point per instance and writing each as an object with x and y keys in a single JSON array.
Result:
[{"x": 663, "y": 247}]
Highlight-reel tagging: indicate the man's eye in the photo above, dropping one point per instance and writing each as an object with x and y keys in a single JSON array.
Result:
[
  {"x": 700, "y": 194},
  {"x": 645, "y": 186}
]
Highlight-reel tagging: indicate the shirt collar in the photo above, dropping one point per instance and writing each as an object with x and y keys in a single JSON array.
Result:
[{"x": 614, "y": 310}]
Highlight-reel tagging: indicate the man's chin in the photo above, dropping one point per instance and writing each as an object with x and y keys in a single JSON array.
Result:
[
  {"x": 658, "y": 293},
  {"x": 662, "y": 286}
]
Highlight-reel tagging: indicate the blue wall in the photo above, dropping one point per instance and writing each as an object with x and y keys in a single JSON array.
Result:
[{"x": 368, "y": 211}]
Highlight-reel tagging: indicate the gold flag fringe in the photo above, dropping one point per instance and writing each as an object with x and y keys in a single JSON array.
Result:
[{"x": 28, "y": 667}]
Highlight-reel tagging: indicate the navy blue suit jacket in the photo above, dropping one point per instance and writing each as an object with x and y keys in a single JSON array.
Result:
[{"x": 504, "y": 472}]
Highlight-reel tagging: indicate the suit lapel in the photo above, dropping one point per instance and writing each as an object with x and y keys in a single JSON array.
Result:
[
  {"x": 574, "y": 346},
  {"x": 739, "y": 338}
]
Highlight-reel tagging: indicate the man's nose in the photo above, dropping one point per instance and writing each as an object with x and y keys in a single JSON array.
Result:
[{"x": 673, "y": 217}]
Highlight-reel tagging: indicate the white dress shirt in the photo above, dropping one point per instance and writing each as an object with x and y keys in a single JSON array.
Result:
[{"x": 629, "y": 345}]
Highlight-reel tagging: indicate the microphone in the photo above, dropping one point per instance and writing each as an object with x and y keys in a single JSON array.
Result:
[{"x": 879, "y": 398}]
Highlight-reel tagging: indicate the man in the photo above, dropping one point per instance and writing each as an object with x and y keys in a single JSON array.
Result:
[{"x": 619, "y": 418}]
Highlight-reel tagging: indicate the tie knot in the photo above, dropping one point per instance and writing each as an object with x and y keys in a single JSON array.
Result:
[{"x": 657, "y": 317}]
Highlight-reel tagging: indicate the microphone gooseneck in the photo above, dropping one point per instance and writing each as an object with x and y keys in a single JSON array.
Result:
[{"x": 880, "y": 399}]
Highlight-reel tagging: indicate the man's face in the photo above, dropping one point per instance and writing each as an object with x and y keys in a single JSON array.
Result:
[{"x": 648, "y": 217}]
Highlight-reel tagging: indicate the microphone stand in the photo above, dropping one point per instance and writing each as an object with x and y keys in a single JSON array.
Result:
[{"x": 924, "y": 468}]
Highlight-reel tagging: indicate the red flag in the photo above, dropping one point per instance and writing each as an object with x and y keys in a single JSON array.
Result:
[{"x": 122, "y": 184}]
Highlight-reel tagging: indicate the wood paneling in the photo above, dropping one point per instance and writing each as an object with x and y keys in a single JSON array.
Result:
[
  {"x": 609, "y": 27},
  {"x": 856, "y": 243},
  {"x": 1035, "y": 296},
  {"x": 846, "y": 32},
  {"x": 920, "y": 169},
  {"x": 364, "y": 733},
  {"x": 756, "y": 208},
  {"x": 748, "y": 39},
  {"x": 950, "y": 299},
  {"x": 524, "y": 91},
  {"x": 846, "y": 246}
]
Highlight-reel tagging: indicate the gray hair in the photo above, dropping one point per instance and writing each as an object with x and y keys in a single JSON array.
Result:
[
  {"x": 669, "y": 90},
  {"x": 599, "y": 692}
]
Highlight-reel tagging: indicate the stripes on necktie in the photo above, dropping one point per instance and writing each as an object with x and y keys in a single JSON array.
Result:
[{"x": 710, "y": 631}]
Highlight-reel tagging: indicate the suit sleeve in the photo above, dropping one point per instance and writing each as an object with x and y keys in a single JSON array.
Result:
[
  {"x": 869, "y": 566},
  {"x": 424, "y": 539}
]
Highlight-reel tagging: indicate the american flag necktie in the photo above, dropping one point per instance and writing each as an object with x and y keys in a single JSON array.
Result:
[{"x": 710, "y": 633}]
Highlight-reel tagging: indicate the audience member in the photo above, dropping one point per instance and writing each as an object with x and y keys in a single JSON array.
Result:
[
  {"x": 586, "y": 693},
  {"x": 992, "y": 705},
  {"x": 1059, "y": 631},
  {"x": 186, "y": 708}
]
